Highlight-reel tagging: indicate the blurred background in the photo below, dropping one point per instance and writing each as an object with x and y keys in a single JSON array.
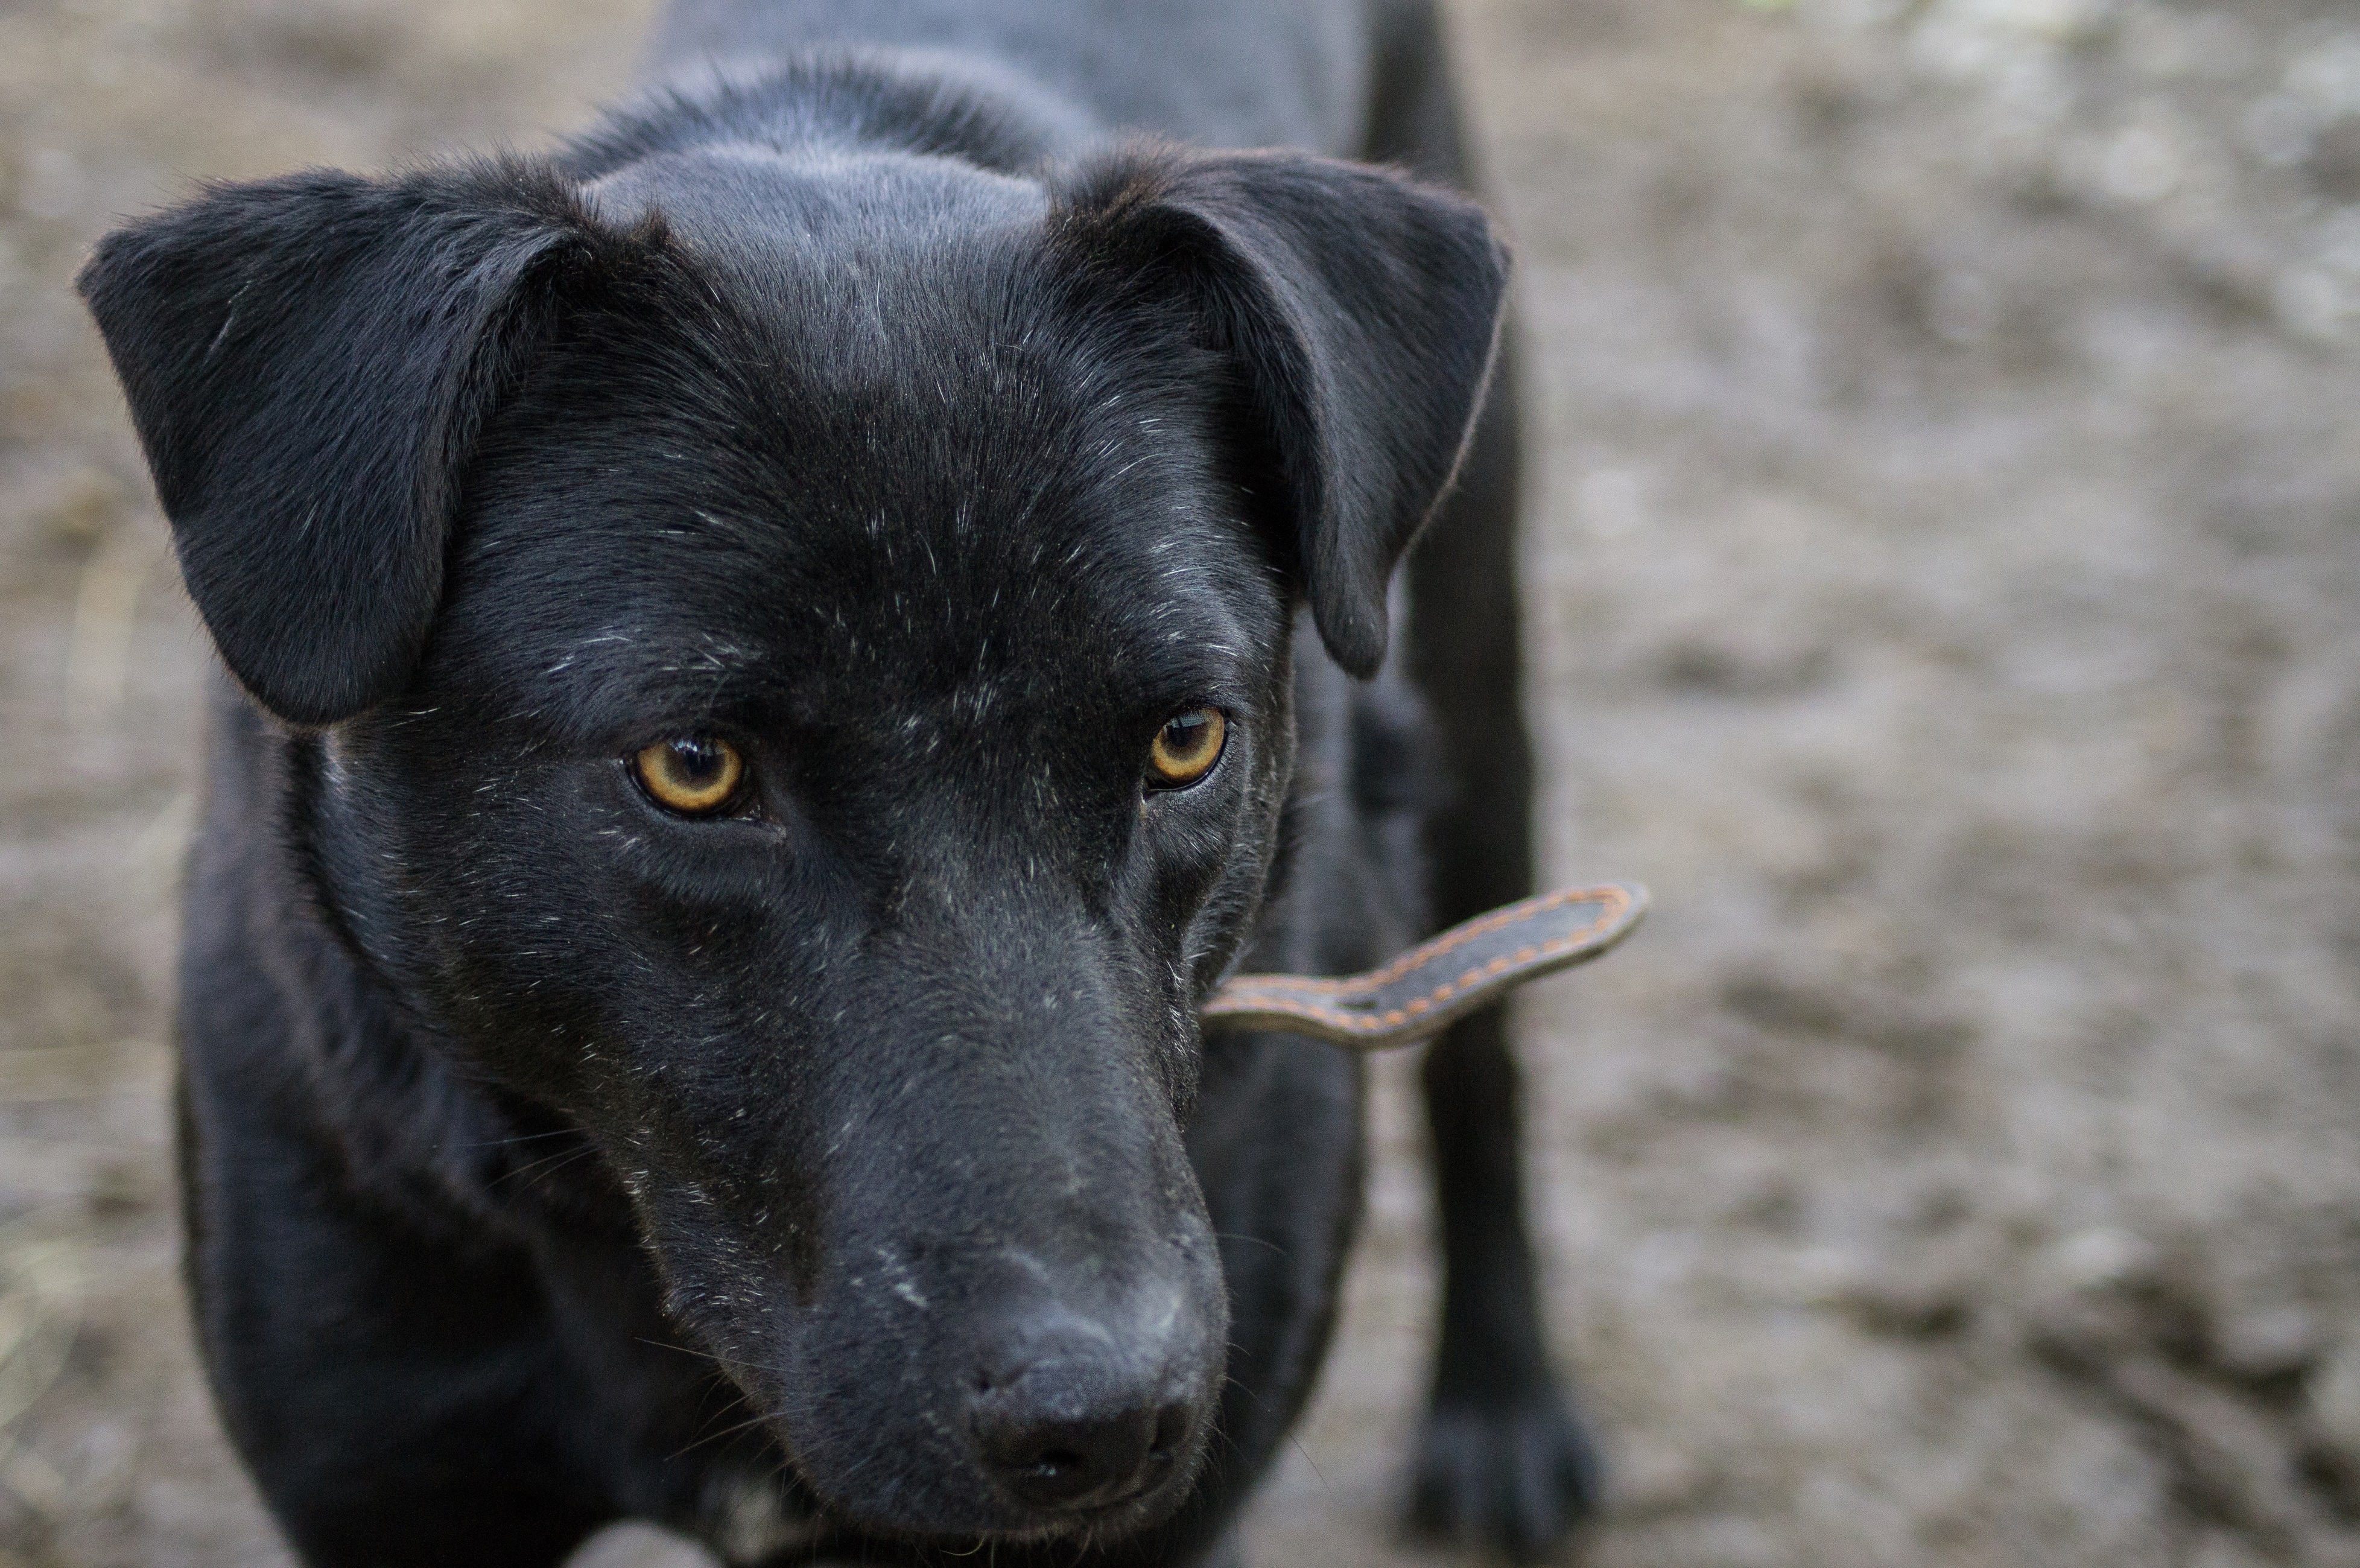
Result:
[{"x": 1944, "y": 586}]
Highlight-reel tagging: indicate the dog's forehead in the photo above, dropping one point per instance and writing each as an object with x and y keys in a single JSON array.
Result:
[
  {"x": 789, "y": 222},
  {"x": 886, "y": 457}
]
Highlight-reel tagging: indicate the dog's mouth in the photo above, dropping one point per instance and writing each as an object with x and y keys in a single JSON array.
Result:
[
  {"x": 1099, "y": 1513},
  {"x": 1105, "y": 1517}
]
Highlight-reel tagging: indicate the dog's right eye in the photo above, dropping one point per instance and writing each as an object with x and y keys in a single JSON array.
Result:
[
  {"x": 1186, "y": 749},
  {"x": 695, "y": 777}
]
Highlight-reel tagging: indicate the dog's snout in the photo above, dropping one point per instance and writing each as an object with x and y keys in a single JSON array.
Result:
[
  {"x": 1081, "y": 1417},
  {"x": 1062, "y": 1436}
]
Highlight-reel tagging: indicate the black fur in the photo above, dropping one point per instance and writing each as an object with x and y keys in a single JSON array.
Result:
[{"x": 785, "y": 1175}]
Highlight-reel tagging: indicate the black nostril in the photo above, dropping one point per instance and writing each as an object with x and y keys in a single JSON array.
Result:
[
  {"x": 1172, "y": 1425},
  {"x": 1047, "y": 1444}
]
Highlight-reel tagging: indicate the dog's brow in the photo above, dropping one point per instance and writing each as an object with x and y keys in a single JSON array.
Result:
[{"x": 567, "y": 660}]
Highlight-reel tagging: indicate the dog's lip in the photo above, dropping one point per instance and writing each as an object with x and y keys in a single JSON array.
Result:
[
  {"x": 1057, "y": 1523},
  {"x": 1167, "y": 1470},
  {"x": 1136, "y": 1507},
  {"x": 1059, "y": 1519},
  {"x": 1109, "y": 1505}
]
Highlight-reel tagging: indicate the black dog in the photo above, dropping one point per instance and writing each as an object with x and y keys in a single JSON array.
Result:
[{"x": 771, "y": 692}]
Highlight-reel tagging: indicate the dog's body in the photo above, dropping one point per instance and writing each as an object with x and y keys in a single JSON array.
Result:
[{"x": 841, "y": 1172}]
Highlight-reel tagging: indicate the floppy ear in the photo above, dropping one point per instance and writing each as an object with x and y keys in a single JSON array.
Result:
[
  {"x": 1357, "y": 309},
  {"x": 308, "y": 361}
]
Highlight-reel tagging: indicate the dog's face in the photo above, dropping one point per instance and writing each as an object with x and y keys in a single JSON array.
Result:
[
  {"x": 804, "y": 661},
  {"x": 853, "y": 735}
]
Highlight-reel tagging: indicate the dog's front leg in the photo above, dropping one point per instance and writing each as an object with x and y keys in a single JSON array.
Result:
[{"x": 1502, "y": 1461}]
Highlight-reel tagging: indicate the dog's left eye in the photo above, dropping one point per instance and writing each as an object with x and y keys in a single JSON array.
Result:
[
  {"x": 695, "y": 777},
  {"x": 1186, "y": 749}
]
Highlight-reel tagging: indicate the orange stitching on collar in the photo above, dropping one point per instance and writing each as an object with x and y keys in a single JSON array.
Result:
[
  {"x": 1616, "y": 899},
  {"x": 1372, "y": 1023}
]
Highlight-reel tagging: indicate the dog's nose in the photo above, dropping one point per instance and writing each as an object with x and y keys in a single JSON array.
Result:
[
  {"x": 1075, "y": 1419},
  {"x": 1055, "y": 1452}
]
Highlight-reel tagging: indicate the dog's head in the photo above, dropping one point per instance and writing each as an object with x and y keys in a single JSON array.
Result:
[{"x": 799, "y": 661}]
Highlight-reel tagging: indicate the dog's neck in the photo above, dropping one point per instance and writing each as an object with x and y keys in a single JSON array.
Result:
[{"x": 832, "y": 102}]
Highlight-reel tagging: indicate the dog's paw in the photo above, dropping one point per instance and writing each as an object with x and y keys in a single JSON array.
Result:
[{"x": 1511, "y": 1478}]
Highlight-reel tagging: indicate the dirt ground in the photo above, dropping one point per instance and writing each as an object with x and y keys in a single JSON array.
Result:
[{"x": 1946, "y": 548}]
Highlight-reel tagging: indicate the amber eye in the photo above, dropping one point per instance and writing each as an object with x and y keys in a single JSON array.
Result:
[
  {"x": 694, "y": 777},
  {"x": 1187, "y": 748}
]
